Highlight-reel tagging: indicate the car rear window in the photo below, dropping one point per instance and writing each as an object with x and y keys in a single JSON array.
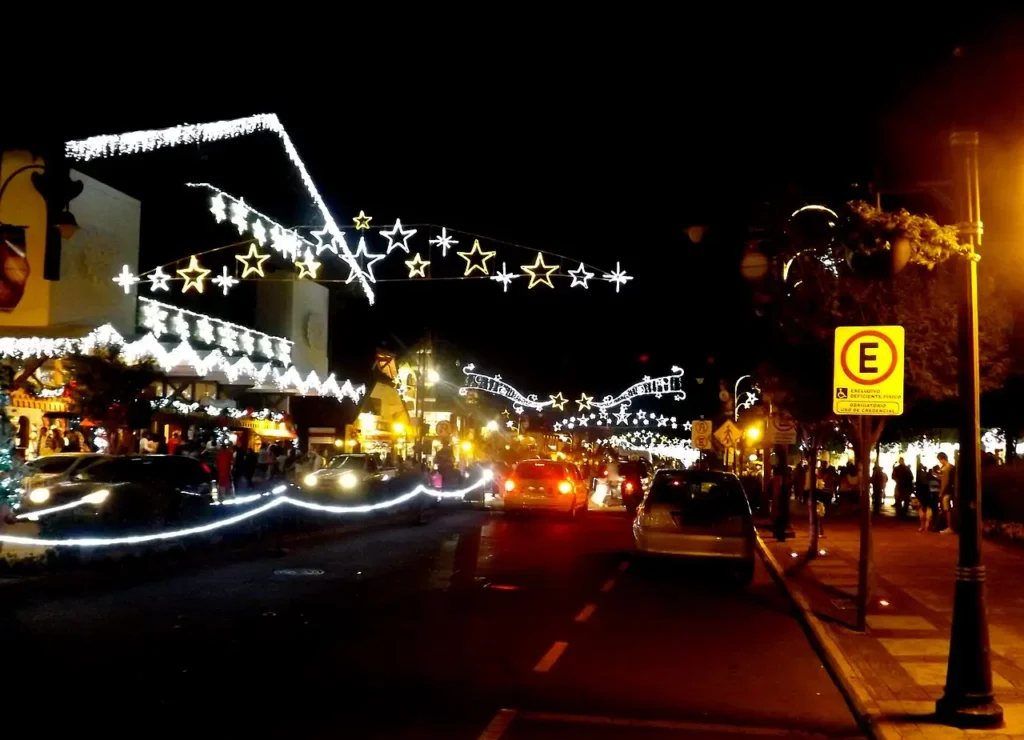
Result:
[
  {"x": 540, "y": 469},
  {"x": 700, "y": 495},
  {"x": 51, "y": 464}
]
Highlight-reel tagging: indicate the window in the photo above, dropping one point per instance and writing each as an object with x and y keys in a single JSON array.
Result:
[
  {"x": 535, "y": 469},
  {"x": 51, "y": 465},
  {"x": 700, "y": 496}
]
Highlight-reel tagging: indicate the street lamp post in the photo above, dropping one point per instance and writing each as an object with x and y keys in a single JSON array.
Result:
[
  {"x": 968, "y": 699},
  {"x": 736, "y": 397}
]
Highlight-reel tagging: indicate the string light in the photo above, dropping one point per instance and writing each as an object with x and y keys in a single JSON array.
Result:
[
  {"x": 618, "y": 277},
  {"x": 259, "y": 232},
  {"x": 362, "y": 221},
  {"x": 204, "y": 330},
  {"x": 585, "y": 402},
  {"x": 445, "y": 242},
  {"x": 158, "y": 280},
  {"x": 504, "y": 277},
  {"x": 468, "y": 257},
  {"x": 287, "y": 242},
  {"x": 228, "y": 338},
  {"x": 397, "y": 230},
  {"x": 193, "y": 276},
  {"x": 252, "y": 263},
  {"x": 417, "y": 266},
  {"x": 537, "y": 267},
  {"x": 240, "y": 216},
  {"x": 580, "y": 276},
  {"x": 308, "y": 266},
  {"x": 144, "y": 141},
  {"x": 321, "y": 245},
  {"x": 371, "y": 260},
  {"x": 558, "y": 401},
  {"x": 225, "y": 281},
  {"x": 126, "y": 279},
  {"x": 154, "y": 317},
  {"x": 218, "y": 208}
]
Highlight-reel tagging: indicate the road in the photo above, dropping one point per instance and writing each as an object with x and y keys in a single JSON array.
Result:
[{"x": 473, "y": 626}]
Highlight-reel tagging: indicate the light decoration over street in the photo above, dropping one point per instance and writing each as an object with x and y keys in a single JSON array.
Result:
[
  {"x": 538, "y": 267},
  {"x": 158, "y": 280},
  {"x": 252, "y": 263},
  {"x": 505, "y": 277},
  {"x": 193, "y": 275},
  {"x": 397, "y": 231},
  {"x": 126, "y": 279},
  {"x": 558, "y": 401},
  {"x": 445, "y": 242},
  {"x": 618, "y": 277},
  {"x": 362, "y": 221},
  {"x": 135, "y": 142},
  {"x": 308, "y": 266},
  {"x": 655, "y": 444},
  {"x": 585, "y": 402},
  {"x": 471, "y": 264},
  {"x": 240, "y": 216},
  {"x": 580, "y": 276},
  {"x": 322, "y": 244},
  {"x": 417, "y": 266},
  {"x": 371, "y": 260},
  {"x": 225, "y": 281}
]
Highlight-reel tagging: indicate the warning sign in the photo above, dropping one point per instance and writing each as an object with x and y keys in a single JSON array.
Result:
[
  {"x": 701, "y": 434},
  {"x": 728, "y": 435},
  {"x": 868, "y": 371}
]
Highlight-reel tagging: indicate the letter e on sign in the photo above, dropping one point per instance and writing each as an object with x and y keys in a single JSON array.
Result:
[{"x": 868, "y": 371}]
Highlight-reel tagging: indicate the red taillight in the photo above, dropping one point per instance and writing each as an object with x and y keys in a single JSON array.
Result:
[
  {"x": 206, "y": 468},
  {"x": 565, "y": 487},
  {"x": 629, "y": 487},
  {"x": 510, "y": 485}
]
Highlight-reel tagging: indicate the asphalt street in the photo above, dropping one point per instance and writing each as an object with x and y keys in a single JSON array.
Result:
[{"x": 473, "y": 626}]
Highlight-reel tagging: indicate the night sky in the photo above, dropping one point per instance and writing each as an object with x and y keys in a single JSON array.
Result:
[{"x": 603, "y": 148}]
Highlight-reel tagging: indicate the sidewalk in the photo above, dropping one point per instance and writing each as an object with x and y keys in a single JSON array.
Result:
[{"x": 897, "y": 670}]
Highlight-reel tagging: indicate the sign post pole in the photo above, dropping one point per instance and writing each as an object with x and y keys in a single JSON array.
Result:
[{"x": 864, "y": 559}]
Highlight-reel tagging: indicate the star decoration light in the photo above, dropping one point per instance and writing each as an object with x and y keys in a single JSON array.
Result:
[
  {"x": 240, "y": 215},
  {"x": 322, "y": 245},
  {"x": 585, "y": 402},
  {"x": 505, "y": 277},
  {"x": 622, "y": 415},
  {"x": 470, "y": 264},
  {"x": 225, "y": 281},
  {"x": 371, "y": 260},
  {"x": 618, "y": 277},
  {"x": 259, "y": 232},
  {"x": 252, "y": 263},
  {"x": 580, "y": 276},
  {"x": 558, "y": 401},
  {"x": 687, "y": 425},
  {"x": 218, "y": 208},
  {"x": 417, "y": 266},
  {"x": 158, "y": 280},
  {"x": 308, "y": 266},
  {"x": 126, "y": 279},
  {"x": 193, "y": 276},
  {"x": 397, "y": 230},
  {"x": 362, "y": 221},
  {"x": 538, "y": 267},
  {"x": 444, "y": 241},
  {"x": 510, "y": 424}
]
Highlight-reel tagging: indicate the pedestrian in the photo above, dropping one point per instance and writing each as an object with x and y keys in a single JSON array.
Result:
[
  {"x": 904, "y": 480},
  {"x": 879, "y": 480},
  {"x": 945, "y": 493},
  {"x": 800, "y": 482},
  {"x": 225, "y": 456}
]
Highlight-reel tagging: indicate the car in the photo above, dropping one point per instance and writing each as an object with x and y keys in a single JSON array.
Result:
[
  {"x": 361, "y": 479},
  {"x": 54, "y": 468},
  {"x": 624, "y": 481},
  {"x": 546, "y": 485},
  {"x": 699, "y": 514}
]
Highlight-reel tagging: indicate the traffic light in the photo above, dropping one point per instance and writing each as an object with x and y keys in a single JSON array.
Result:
[{"x": 54, "y": 183}]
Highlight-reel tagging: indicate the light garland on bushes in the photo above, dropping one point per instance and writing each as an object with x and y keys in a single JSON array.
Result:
[
  {"x": 111, "y": 145},
  {"x": 196, "y": 408}
]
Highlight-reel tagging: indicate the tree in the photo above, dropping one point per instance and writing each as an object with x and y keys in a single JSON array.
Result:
[{"x": 110, "y": 392}]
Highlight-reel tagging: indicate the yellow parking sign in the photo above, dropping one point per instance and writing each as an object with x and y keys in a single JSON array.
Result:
[{"x": 867, "y": 374}]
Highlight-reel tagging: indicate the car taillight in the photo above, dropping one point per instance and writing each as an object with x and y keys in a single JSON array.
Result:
[
  {"x": 206, "y": 469},
  {"x": 565, "y": 487},
  {"x": 510, "y": 485},
  {"x": 629, "y": 487}
]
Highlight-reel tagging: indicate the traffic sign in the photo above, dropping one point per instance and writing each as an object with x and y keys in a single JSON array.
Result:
[
  {"x": 443, "y": 429},
  {"x": 780, "y": 431},
  {"x": 728, "y": 435},
  {"x": 868, "y": 370},
  {"x": 701, "y": 434}
]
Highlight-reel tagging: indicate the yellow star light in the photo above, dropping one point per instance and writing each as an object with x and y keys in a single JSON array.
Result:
[
  {"x": 250, "y": 268},
  {"x": 558, "y": 401},
  {"x": 417, "y": 266},
  {"x": 193, "y": 276},
  {"x": 470, "y": 264},
  {"x": 308, "y": 266},
  {"x": 585, "y": 402},
  {"x": 539, "y": 266},
  {"x": 362, "y": 221}
]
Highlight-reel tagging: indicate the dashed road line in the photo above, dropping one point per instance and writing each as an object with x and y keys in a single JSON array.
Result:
[
  {"x": 551, "y": 657},
  {"x": 608, "y": 585},
  {"x": 497, "y": 726},
  {"x": 586, "y": 613}
]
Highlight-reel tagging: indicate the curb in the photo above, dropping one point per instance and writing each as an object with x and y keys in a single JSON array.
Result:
[{"x": 850, "y": 683}]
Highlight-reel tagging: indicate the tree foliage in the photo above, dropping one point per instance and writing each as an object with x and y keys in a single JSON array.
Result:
[
  {"x": 930, "y": 243},
  {"x": 108, "y": 391}
]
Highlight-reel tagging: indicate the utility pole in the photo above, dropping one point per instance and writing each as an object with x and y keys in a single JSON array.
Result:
[{"x": 968, "y": 700}]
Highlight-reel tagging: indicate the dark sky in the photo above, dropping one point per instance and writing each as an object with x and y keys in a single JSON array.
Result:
[{"x": 604, "y": 145}]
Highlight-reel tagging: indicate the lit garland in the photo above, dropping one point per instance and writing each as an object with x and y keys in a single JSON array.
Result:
[
  {"x": 193, "y": 408},
  {"x": 471, "y": 264},
  {"x": 397, "y": 230},
  {"x": 655, "y": 444},
  {"x": 276, "y": 499},
  {"x": 193, "y": 276},
  {"x": 111, "y": 145}
]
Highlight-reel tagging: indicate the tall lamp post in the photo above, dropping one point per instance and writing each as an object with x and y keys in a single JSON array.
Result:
[{"x": 968, "y": 699}]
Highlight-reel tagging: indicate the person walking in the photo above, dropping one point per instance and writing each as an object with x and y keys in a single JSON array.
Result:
[
  {"x": 945, "y": 477},
  {"x": 904, "y": 480},
  {"x": 879, "y": 480}
]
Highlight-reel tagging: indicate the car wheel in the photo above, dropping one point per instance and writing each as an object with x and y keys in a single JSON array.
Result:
[{"x": 743, "y": 573}]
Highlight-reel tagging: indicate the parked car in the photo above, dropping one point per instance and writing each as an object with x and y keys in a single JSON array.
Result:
[{"x": 54, "y": 468}]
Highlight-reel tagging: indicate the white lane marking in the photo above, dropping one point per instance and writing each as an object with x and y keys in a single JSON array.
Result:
[
  {"x": 661, "y": 724},
  {"x": 623, "y": 565},
  {"x": 586, "y": 613},
  {"x": 497, "y": 726},
  {"x": 608, "y": 585},
  {"x": 551, "y": 657}
]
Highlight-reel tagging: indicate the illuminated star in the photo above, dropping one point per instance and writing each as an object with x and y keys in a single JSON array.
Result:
[
  {"x": 444, "y": 241},
  {"x": 218, "y": 207},
  {"x": 286, "y": 242},
  {"x": 126, "y": 279},
  {"x": 240, "y": 216},
  {"x": 622, "y": 415},
  {"x": 193, "y": 276},
  {"x": 558, "y": 401},
  {"x": 585, "y": 402},
  {"x": 510, "y": 423},
  {"x": 259, "y": 232},
  {"x": 662, "y": 420},
  {"x": 470, "y": 264},
  {"x": 362, "y": 221},
  {"x": 618, "y": 277},
  {"x": 158, "y": 280},
  {"x": 504, "y": 277},
  {"x": 417, "y": 266},
  {"x": 248, "y": 267},
  {"x": 580, "y": 276},
  {"x": 397, "y": 230},
  {"x": 322, "y": 245},
  {"x": 537, "y": 267},
  {"x": 225, "y": 281},
  {"x": 687, "y": 426},
  {"x": 308, "y": 266},
  {"x": 371, "y": 260}
]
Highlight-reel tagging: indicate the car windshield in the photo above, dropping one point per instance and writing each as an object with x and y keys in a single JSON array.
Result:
[
  {"x": 700, "y": 495},
  {"x": 51, "y": 465},
  {"x": 123, "y": 470},
  {"x": 347, "y": 462},
  {"x": 533, "y": 469}
]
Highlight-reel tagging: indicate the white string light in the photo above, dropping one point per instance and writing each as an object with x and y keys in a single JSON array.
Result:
[
  {"x": 225, "y": 281},
  {"x": 397, "y": 230},
  {"x": 580, "y": 276},
  {"x": 158, "y": 280},
  {"x": 505, "y": 277},
  {"x": 240, "y": 215},
  {"x": 126, "y": 279},
  {"x": 445, "y": 242},
  {"x": 183, "y": 329},
  {"x": 143, "y": 141},
  {"x": 618, "y": 277},
  {"x": 371, "y": 260}
]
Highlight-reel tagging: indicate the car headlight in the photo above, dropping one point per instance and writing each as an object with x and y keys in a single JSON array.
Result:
[
  {"x": 309, "y": 480},
  {"x": 96, "y": 497},
  {"x": 39, "y": 496},
  {"x": 348, "y": 480}
]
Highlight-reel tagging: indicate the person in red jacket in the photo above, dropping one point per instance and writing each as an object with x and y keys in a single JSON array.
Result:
[{"x": 225, "y": 458}]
